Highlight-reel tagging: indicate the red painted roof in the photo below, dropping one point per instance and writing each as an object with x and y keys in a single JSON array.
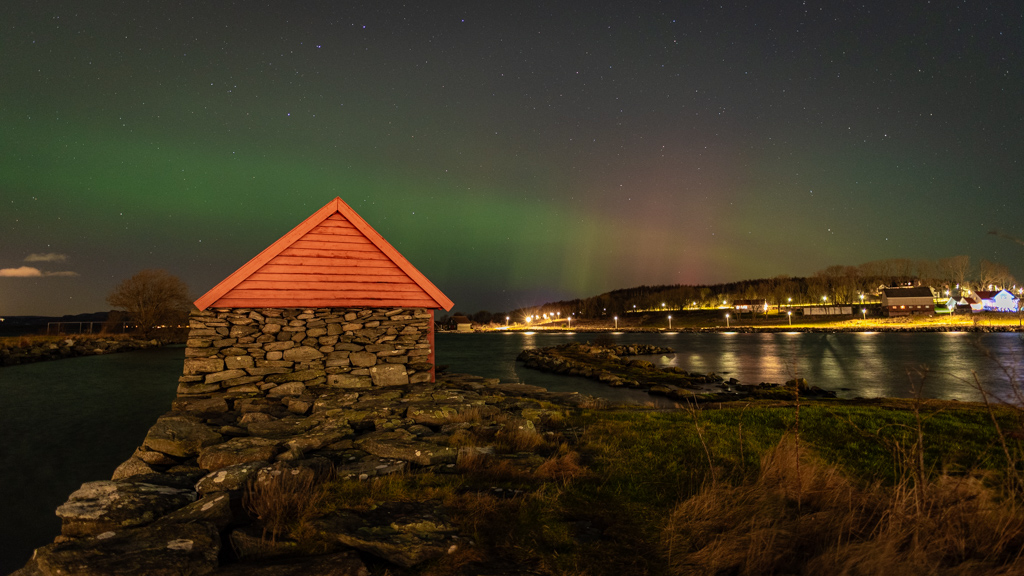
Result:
[{"x": 333, "y": 259}]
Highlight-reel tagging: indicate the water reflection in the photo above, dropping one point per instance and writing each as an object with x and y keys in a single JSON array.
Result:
[{"x": 869, "y": 364}]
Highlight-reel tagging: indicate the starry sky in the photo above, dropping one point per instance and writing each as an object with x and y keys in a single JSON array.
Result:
[{"x": 514, "y": 152}]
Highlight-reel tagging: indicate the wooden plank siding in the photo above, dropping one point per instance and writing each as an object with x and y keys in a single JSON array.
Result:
[{"x": 333, "y": 259}]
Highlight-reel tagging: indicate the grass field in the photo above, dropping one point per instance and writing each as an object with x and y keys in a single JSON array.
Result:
[{"x": 871, "y": 487}]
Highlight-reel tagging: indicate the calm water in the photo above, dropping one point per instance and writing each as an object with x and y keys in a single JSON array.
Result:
[
  {"x": 66, "y": 422},
  {"x": 71, "y": 421},
  {"x": 869, "y": 364}
]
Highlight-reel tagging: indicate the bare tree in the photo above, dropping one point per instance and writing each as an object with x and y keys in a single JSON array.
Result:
[
  {"x": 956, "y": 269},
  {"x": 152, "y": 298},
  {"x": 994, "y": 274}
]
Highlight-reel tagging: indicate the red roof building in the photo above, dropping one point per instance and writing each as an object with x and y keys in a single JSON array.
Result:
[{"x": 333, "y": 259}]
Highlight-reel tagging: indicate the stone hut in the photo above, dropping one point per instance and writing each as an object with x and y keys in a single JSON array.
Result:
[{"x": 331, "y": 304}]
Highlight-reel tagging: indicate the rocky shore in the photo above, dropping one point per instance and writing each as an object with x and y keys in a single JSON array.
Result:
[
  {"x": 613, "y": 365},
  {"x": 26, "y": 351},
  {"x": 198, "y": 496}
]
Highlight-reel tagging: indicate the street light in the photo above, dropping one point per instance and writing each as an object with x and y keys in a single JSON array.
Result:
[
  {"x": 669, "y": 321},
  {"x": 790, "y": 315},
  {"x": 726, "y": 320},
  {"x": 506, "y": 321},
  {"x": 864, "y": 313},
  {"x": 616, "y": 322}
]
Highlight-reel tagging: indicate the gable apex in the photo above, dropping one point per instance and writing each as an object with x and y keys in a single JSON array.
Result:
[{"x": 332, "y": 259}]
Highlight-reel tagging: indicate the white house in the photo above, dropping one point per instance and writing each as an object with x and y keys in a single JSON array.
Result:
[{"x": 997, "y": 300}]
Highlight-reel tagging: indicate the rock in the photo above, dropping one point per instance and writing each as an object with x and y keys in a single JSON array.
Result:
[
  {"x": 319, "y": 437},
  {"x": 131, "y": 467},
  {"x": 252, "y": 417},
  {"x": 159, "y": 550},
  {"x": 297, "y": 376},
  {"x": 403, "y": 445},
  {"x": 389, "y": 375},
  {"x": 238, "y": 451},
  {"x": 106, "y": 505},
  {"x": 201, "y": 405},
  {"x": 299, "y": 406},
  {"x": 348, "y": 381},
  {"x": 369, "y": 467},
  {"x": 339, "y": 564},
  {"x": 403, "y": 533},
  {"x": 180, "y": 436},
  {"x": 153, "y": 458},
  {"x": 214, "y": 509},
  {"x": 250, "y": 543},
  {"x": 224, "y": 375},
  {"x": 363, "y": 359},
  {"x": 302, "y": 354},
  {"x": 799, "y": 383},
  {"x": 287, "y": 389},
  {"x": 239, "y": 362},
  {"x": 284, "y": 427},
  {"x": 229, "y": 478},
  {"x": 203, "y": 365}
]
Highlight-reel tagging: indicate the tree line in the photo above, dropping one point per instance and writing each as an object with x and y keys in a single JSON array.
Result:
[{"x": 833, "y": 285}]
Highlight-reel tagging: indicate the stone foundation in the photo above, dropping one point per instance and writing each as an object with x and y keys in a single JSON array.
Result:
[{"x": 278, "y": 353}]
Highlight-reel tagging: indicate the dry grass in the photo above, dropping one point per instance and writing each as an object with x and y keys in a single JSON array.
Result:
[
  {"x": 811, "y": 519},
  {"x": 472, "y": 415},
  {"x": 283, "y": 502},
  {"x": 519, "y": 437},
  {"x": 593, "y": 404},
  {"x": 563, "y": 468}
]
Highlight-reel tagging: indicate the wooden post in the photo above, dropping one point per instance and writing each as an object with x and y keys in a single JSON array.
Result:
[{"x": 432, "y": 357}]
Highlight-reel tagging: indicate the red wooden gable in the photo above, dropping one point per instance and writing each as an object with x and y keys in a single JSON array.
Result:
[{"x": 333, "y": 259}]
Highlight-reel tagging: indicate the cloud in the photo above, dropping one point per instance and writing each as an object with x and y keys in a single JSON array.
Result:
[
  {"x": 30, "y": 272},
  {"x": 23, "y": 272},
  {"x": 47, "y": 257}
]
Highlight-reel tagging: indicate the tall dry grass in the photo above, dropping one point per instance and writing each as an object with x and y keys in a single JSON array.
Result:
[
  {"x": 802, "y": 516},
  {"x": 282, "y": 502}
]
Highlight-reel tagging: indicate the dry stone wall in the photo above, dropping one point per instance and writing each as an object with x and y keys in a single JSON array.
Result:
[{"x": 279, "y": 353}]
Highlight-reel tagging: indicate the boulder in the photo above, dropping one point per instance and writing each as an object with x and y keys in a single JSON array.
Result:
[
  {"x": 131, "y": 467},
  {"x": 229, "y": 478},
  {"x": 403, "y": 445},
  {"x": 403, "y": 533},
  {"x": 238, "y": 451},
  {"x": 389, "y": 375},
  {"x": 214, "y": 509},
  {"x": 159, "y": 550},
  {"x": 107, "y": 505},
  {"x": 180, "y": 436}
]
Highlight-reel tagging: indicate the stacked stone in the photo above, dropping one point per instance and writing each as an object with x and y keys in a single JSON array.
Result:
[{"x": 278, "y": 353}]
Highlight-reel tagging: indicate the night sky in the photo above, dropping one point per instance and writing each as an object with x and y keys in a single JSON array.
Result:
[{"x": 514, "y": 152}]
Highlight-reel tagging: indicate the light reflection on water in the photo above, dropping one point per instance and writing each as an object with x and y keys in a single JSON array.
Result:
[{"x": 865, "y": 364}]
